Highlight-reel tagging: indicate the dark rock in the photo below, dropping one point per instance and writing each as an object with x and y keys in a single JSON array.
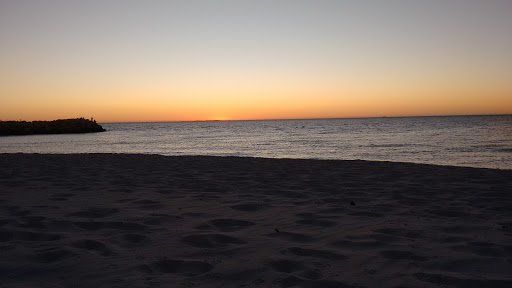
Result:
[{"x": 61, "y": 126}]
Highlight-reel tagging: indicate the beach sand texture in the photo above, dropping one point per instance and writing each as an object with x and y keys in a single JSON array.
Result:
[{"x": 107, "y": 220}]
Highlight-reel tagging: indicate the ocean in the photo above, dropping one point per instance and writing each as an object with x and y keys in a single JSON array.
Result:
[{"x": 472, "y": 141}]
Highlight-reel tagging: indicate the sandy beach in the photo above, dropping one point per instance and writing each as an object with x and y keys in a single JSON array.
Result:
[{"x": 120, "y": 220}]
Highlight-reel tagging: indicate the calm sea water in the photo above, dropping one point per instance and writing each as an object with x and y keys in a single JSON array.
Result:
[{"x": 475, "y": 141}]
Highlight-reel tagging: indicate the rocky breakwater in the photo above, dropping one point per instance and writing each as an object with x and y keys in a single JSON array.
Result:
[{"x": 61, "y": 126}]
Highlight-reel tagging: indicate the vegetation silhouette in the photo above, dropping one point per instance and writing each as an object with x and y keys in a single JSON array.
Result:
[{"x": 60, "y": 126}]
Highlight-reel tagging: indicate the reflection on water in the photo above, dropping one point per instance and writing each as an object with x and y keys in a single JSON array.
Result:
[{"x": 476, "y": 141}]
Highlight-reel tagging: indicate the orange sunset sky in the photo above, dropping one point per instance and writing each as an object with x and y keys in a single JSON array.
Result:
[{"x": 216, "y": 60}]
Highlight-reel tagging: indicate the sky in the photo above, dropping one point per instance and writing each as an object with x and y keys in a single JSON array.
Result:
[{"x": 156, "y": 60}]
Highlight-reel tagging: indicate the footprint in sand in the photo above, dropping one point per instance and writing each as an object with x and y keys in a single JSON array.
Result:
[
  {"x": 35, "y": 222},
  {"x": 314, "y": 253},
  {"x": 286, "y": 266},
  {"x": 316, "y": 222},
  {"x": 93, "y": 245},
  {"x": 211, "y": 240},
  {"x": 158, "y": 219},
  {"x": 485, "y": 249},
  {"x": 400, "y": 232},
  {"x": 226, "y": 225},
  {"x": 402, "y": 255},
  {"x": 9, "y": 235},
  {"x": 366, "y": 214},
  {"x": 94, "y": 212},
  {"x": 148, "y": 204},
  {"x": 290, "y": 236},
  {"x": 189, "y": 268},
  {"x": 136, "y": 238},
  {"x": 297, "y": 281},
  {"x": 18, "y": 211},
  {"x": 297, "y": 268},
  {"x": 357, "y": 245},
  {"x": 250, "y": 207},
  {"x": 63, "y": 195},
  {"x": 451, "y": 280},
  {"x": 96, "y": 225},
  {"x": 60, "y": 196},
  {"x": 53, "y": 254}
]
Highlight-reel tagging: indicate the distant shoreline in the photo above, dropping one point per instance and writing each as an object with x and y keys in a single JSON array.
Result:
[{"x": 60, "y": 126}]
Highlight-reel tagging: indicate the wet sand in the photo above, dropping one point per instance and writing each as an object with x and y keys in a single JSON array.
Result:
[{"x": 118, "y": 220}]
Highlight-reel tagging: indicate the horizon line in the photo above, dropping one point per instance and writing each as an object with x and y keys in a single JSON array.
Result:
[{"x": 316, "y": 118}]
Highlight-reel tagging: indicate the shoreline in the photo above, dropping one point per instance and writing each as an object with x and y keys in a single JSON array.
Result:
[
  {"x": 257, "y": 157},
  {"x": 139, "y": 220}
]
